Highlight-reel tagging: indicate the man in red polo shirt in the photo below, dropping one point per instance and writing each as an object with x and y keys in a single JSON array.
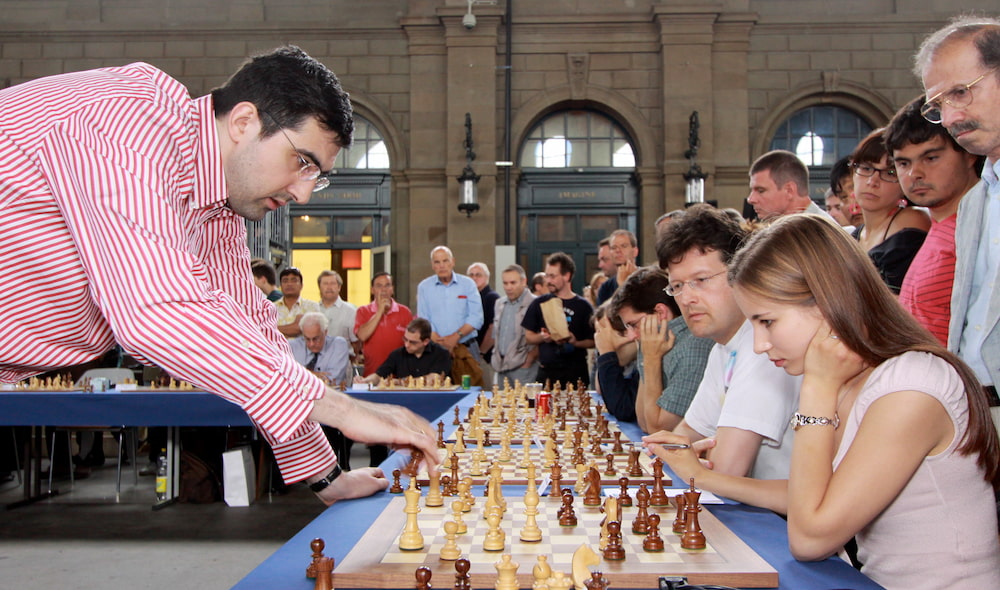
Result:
[{"x": 380, "y": 325}]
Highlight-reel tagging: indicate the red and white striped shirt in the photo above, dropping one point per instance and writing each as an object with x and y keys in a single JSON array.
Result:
[{"x": 114, "y": 227}]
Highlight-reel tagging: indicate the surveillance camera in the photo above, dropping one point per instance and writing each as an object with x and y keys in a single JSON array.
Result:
[{"x": 469, "y": 21}]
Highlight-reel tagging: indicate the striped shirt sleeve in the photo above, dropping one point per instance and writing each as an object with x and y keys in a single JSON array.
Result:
[{"x": 134, "y": 169}]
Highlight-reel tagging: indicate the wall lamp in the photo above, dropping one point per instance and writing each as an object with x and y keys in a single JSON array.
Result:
[
  {"x": 469, "y": 197},
  {"x": 695, "y": 190}
]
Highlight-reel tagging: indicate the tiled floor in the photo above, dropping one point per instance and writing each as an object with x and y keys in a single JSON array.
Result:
[{"x": 84, "y": 540}]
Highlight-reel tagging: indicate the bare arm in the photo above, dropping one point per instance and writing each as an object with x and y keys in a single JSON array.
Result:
[
  {"x": 487, "y": 340},
  {"x": 766, "y": 493},
  {"x": 656, "y": 340},
  {"x": 537, "y": 337},
  {"x": 367, "y": 329},
  {"x": 898, "y": 431},
  {"x": 291, "y": 330},
  {"x": 735, "y": 450}
]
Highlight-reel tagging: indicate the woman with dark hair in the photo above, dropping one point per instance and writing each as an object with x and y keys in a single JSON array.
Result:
[
  {"x": 894, "y": 443},
  {"x": 893, "y": 230}
]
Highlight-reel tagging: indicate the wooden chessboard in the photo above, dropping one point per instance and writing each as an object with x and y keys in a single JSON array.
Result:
[
  {"x": 377, "y": 562},
  {"x": 514, "y": 474}
]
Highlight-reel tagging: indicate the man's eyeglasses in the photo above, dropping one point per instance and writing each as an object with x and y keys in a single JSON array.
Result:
[
  {"x": 958, "y": 97},
  {"x": 867, "y": 170},
  {"x": 308, "y": 171},
  {"x": 674, "y": 289}
]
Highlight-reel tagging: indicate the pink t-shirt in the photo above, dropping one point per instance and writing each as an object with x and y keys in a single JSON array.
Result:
[
  {"x": 926, "y": 291},
  {"x": 941, "y": 531}
]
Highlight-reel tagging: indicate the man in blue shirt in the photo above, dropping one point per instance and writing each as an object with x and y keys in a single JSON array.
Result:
[
  {"x": 451, "y": 303},
  {"x": 961, "y": 75}
]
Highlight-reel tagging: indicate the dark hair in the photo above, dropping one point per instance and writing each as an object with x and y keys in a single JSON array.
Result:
[
  {"x": 564, "y": 261},
  {"x": 604, "y": 311},
  {"x": 808, "y": 260},
  {"x": 871, "y": 149},
  {"x": 263, "y": 269},
  {"x": 381, "y": 273},
  {"x": 704, "y": 228},
  {"x": 291, "y": 270},
  {"x": 642, "y": 291},
  {"x": 840, "y": 170},
  {"x": 420, "y": 326},
  {"x": 784, "y": 167},
  {"x": 290, "y": 87},
  {"x": 604, "y": 242},
  {"x": 908, "y": 126}
]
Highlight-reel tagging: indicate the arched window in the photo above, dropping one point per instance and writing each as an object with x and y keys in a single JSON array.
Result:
[
  {"x": 577, "y": 139},
  {"x": 367, "y": 151},
  {"x": 577, "y": 185},
  {"x": 820, "y": 135}
]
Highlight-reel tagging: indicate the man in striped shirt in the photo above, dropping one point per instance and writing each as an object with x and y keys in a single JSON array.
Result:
[
  {"x": 934, "y": 172},
  {"x": 112, "y": 179}
]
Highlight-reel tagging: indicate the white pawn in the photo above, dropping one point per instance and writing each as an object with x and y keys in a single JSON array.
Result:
[
  {"x": 450, "y": 551},
  {"x": 495, "y": 537}
]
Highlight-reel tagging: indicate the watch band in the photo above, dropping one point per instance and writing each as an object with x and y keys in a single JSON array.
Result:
[
  {"x": 800, "y": 420},
  {"x": 319, "y": 486}
]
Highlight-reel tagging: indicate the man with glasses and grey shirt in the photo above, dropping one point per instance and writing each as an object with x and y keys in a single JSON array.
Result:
[
  {"x": 513, "y": 358},
  {"x": 959, "y": 66}
]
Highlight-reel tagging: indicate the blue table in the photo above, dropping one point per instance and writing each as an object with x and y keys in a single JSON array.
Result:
[
  {"x": 343, "y": 524},
  {"x": 170, "y": 408}
]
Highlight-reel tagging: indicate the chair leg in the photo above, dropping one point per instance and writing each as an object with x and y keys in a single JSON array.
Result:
[
  {"x": 69, "y": 457},
  {"x": 17, "y": 456},
  {"x": 134, "y": 449},
  {"x": 52, "y": 459},
  {"x": 121, "y": 447}
]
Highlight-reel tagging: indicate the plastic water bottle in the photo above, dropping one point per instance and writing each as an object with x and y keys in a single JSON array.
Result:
[{"x": 161, "y": 476}]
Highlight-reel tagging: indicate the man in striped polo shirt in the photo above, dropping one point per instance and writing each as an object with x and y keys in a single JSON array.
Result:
[
  {"x": 934, "y": 172},
  {"x": 112, "y": 179}
]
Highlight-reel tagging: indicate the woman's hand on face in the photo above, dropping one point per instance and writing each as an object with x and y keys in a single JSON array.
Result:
[{"x": 829, "y": 363}]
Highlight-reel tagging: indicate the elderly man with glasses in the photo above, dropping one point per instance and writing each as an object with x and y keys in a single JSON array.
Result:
[{"x": 959, "y": 66}]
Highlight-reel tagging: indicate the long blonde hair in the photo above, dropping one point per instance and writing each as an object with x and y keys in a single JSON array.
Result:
[{"x": 808, "y": 260}]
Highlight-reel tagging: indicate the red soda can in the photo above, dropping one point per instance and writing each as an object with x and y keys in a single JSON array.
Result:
[{"x": 543, "y": 404}]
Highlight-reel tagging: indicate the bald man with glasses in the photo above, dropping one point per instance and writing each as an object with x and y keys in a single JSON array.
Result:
[{"x": 959, "y": 66}]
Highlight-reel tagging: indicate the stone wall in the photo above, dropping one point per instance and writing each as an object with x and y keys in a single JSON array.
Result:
[{"x": 414, "y": 70}]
